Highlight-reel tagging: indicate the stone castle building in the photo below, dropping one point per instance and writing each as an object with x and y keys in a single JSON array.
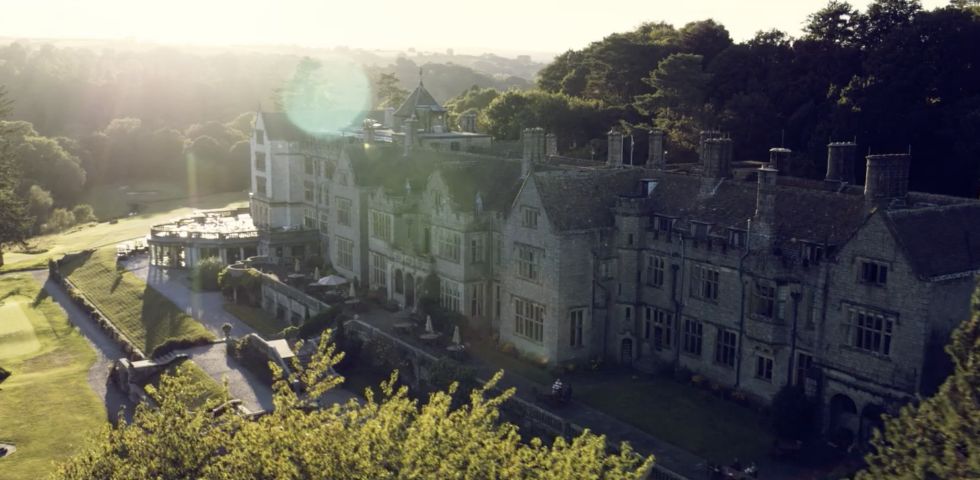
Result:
[{"x": 734, "y": 270}]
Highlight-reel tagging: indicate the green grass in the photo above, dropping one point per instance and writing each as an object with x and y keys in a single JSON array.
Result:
[
  {"x": 16, "y": 331},
  {"x": 111, "y": 201},
  {"x": 266, "y": 325},
  {"x": 680, "y": 414},
  {"x": 47, "y": 408},
  {"x": 144, "y": 315},
  {"x": 510, "y": 364},
  {"x": 94, "y": 235},
  {"x": 205, "y": 387}
]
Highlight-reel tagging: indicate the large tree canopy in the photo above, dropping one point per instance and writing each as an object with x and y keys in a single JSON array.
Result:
[
  {"x": 392, "y": 436},
  {"x": 940, "y": 437}
]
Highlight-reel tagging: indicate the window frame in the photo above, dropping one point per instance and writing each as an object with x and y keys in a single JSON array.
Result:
[
  {"x": 705, "y": 282},
  {"x": 576, "y": 322},
  {"x": 873, "y": 272},
  {"x": 726, "y": 347},
  {"x": 345, "y": 256},
  {"x": 529, "y": 217},
  {"x": 692, "y": 341},
  {"x": 656, "y": 270},
  {"x": 529, "y": 320},
  {"x": 345, "y": 209},
  {"x": 528, "y": 262},
  {"x": 765, "y": 367}
]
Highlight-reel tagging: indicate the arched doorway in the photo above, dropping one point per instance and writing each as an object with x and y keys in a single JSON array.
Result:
[
  {"x": 399, "y": 282},
  {"x": 626, "y": 351},
  {"x": 843, "y": 427},
  {"x": 409, "y": 291},
  {"x": 870, "y": 420}
]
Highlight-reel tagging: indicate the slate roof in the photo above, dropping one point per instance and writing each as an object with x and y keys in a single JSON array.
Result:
[
  {"x": 419, "y": 98},
  {"x": 583, "y": 199},
  {"x": 811, "y": 214},
  {"x": 496, "y": 179},
  {"x": 278, "y": 126},
  {"x": 937, "y": 241}
]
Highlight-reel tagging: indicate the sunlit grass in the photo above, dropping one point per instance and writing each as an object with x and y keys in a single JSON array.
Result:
[
  {"x": 47, "y": 408},
  {"x": 144, "y": 315},
  {"x": 104, "y": 234}
]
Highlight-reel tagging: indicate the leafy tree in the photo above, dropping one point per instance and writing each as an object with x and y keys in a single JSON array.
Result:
[
  {"x": 60, "y": 219},
  {"x": 886, "y": 16},
  {"x": 204, "y": 276},
  {"x": 388, "y": 92},
  {"x": 939, "y": 437},
  {"x": 706, "y": 38},
  {"x": 475, "y": 98},
  {"x": 679, "y": 84},
  {"x": 15, "y": 220},
  {"x": 84, "y": 213},
  {"x": 838, "y": 23},
  {"x": 387, "y": 436},
  {"x": 44, "y": 162},
  {"x": 39, "y": 204}
]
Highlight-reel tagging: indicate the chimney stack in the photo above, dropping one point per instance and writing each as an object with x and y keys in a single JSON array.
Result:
[
  {"x": 551, "y": 145},
  {"x": 716, "y": 158},
  {"x": 657, "y": 158},
  {"x": 840, "y": 162},
  {"x": 410, "y": 134},
  {"x": 614, "y": 154},
  {"x": 765, "y": 204},
  {"x": 887, "y": 176},
  {"x": 533, "y": 141},
  {"x": 779, "y": 160}
]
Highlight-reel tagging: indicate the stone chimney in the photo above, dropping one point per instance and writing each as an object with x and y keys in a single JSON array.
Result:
[
  {"x": 704, "y": 137},
  {"x": 887, "y": 177},
  {"x": 410, "y": 134},
  {"x": 657, "y": 158},
  {"x": 614, "y": 145},
  {"x": 779, "y": 160},
  {"x": 840, "y": 162},
  {"x": 533, "y": 140},
  {"x": 551, "y": 145},
  {"x": 763, "y": 224},
  {"x": 716, "y": 158}
]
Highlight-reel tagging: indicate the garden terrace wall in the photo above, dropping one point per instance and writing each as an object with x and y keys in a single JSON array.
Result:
[{"x": 282, "y": 300}]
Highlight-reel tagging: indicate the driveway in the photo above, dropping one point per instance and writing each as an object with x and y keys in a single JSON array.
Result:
[{"x": 107, "y": 351}]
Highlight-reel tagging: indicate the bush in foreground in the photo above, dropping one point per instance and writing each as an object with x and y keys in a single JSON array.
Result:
[
  {"x": 205, "y": 273},
  {"x": 392, "y": 436}
]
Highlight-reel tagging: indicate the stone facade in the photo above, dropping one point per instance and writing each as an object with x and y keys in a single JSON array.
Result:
[{"x": 750, "y": 277}]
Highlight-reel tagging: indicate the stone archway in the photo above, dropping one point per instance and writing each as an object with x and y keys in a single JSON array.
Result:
[
  {"x": 871, "y": 419},
  {"x": 399, "y": 282},
  {"x": 409, "y": 290},
  {"x": 844, "y": 421},
  {"x": 626, "y": 351}
]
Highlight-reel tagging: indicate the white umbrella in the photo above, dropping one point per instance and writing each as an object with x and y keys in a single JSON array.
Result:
[
  {"x": 316, "y": 272},
  {"x": 428, "y": 324},
  {"x": 296, "y": 264},
  {"x": 332, "y": 280},
  {"x": 456, "y": 339},
  {"x": 353, "y": 293}
]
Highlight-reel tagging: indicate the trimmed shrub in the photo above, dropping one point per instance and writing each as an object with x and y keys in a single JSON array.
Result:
[
  {"x": 316, "y": 324},
  {"x": 178, "y": 344}
]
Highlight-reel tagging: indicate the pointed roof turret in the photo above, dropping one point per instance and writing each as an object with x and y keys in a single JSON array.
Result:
[{"x": 419, "y": 99}]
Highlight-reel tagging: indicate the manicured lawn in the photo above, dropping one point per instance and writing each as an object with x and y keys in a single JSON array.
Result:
[
  {"x": 678, "y": 413},
  {"x": 510, "y": 364},
  {"x": 266, "y": 325},
  {"x": 96, "y": 235},
  {"x": 47, "y": 408},
  {"x": 111, "y": 201},
  {"x": 206, "y": 388},
  {"x": 144, "y": 315}
]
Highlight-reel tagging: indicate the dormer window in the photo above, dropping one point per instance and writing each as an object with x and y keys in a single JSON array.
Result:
[
  {"x": 699, "y": 229},
  {"x": 872, "y": 272},
  {"x": 529, "y": 217},
  {"x": 662, "y": 224},
  {"x": 736, "y": 238},
  {"x": 812, "y": 253}
]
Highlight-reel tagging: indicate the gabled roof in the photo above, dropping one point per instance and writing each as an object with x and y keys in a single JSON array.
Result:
[
  {"x": 938, "y": 241},
  {"x": 278, "y": 126},
  {"x": 497, "y": 180},
  {"x": 420, "y": 98},
  {"x": 583, "y": 199}
]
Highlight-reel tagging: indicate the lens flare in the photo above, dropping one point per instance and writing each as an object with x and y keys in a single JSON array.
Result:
[{"x": 326, "y": 95}]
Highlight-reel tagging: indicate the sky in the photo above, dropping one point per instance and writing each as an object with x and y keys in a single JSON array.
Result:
[{"x": 502, "y": 26}]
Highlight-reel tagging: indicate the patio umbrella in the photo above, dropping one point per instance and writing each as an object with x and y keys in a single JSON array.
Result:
[
  {"x": 456, "y": 339},
  {"x": 428, "y": 324},
  {"x": 316, "y": 272},
  {"x": 296, "y": 264},
  {"x": 353, "y": 293},
  {"x": 332, "y": 281}
]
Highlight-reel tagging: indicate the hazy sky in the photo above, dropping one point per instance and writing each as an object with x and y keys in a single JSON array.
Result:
[{"x": 508, "y": 26}]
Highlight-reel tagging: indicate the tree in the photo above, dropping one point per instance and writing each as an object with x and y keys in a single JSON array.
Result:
[
  {"x": 43, "y": 161},
  {"x": 387, "y": 91},
  {"x": 39, "y": 204},
  {"x": 385, "y": 437},
  {"x": 838, "y": 23},
  {"x": 706, "y": 38},
  {"x": 59, "y": 220},
  {"x": 15, "y": 221},
  {"x": 939, "y": 437},
  {"x": 84, "y": 213}
]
